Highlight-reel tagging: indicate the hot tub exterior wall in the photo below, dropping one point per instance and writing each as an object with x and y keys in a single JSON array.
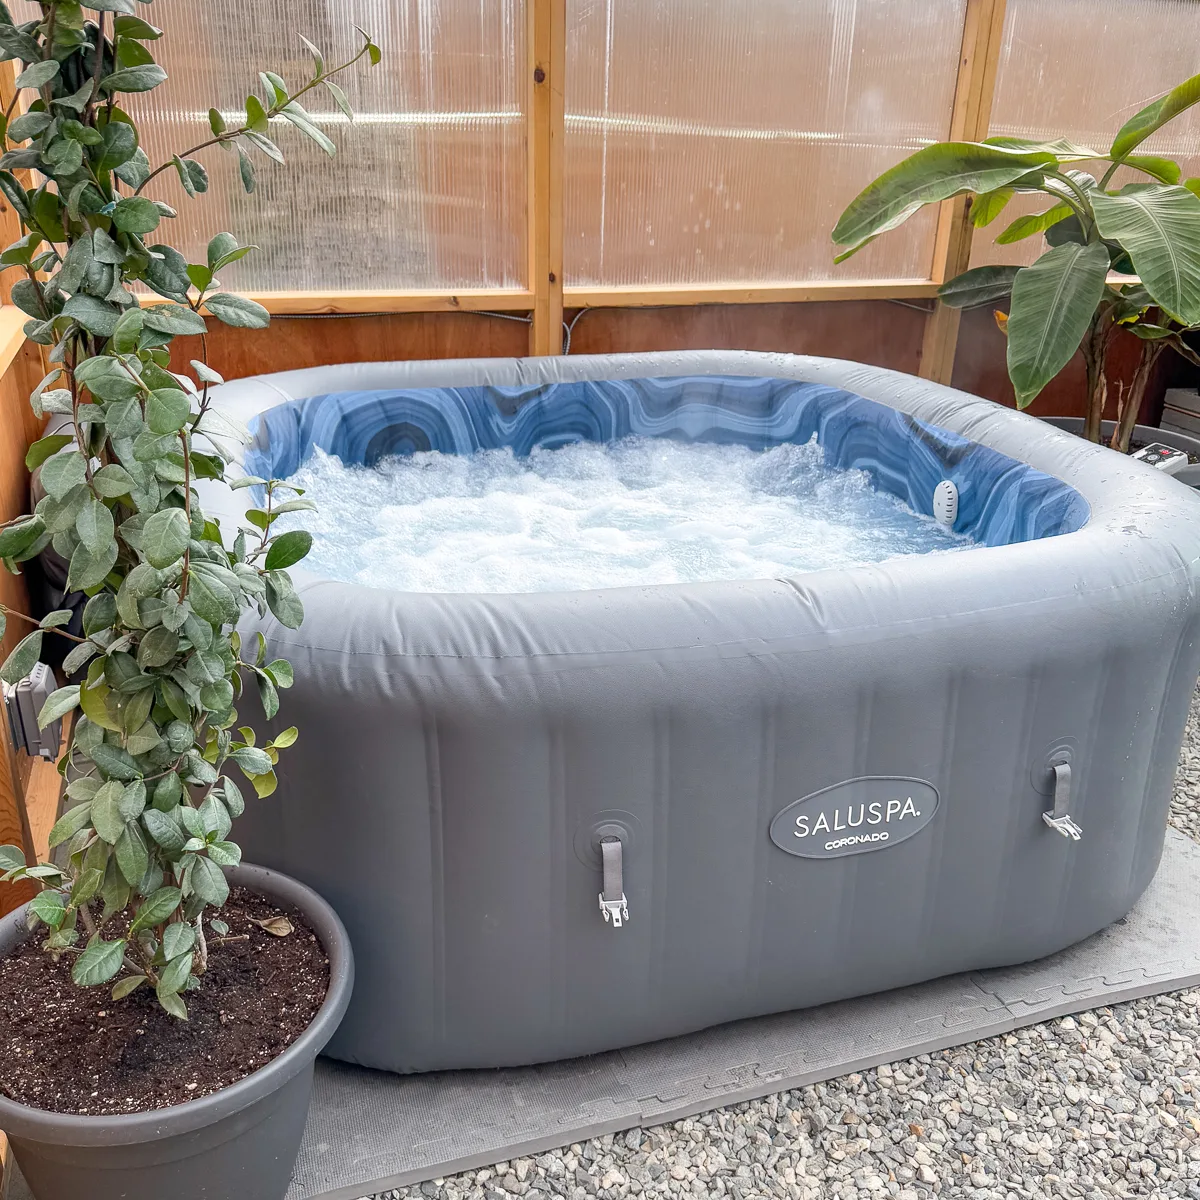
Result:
[
  {"x": 444, "y": 832},
  {"x": 452, "y": 746}
]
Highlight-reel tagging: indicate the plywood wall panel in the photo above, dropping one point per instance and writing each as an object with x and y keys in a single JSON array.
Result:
[
  {"x": 883, "y": 333},
  {"x": 293, "y": 342},
  {"x": 877, "y": 332}
]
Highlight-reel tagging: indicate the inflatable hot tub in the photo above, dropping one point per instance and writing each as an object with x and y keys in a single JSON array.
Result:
[{"x": 560, "y": 823}]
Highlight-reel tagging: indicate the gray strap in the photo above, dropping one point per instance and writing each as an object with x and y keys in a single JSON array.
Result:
[
  {"x": 1059, "y": 818},
  {"x": 613, "y": 906},
  {"x": 614, "y": 884}
]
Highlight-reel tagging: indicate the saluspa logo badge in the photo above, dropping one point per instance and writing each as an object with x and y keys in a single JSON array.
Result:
[{"x": 856, "y": 816}]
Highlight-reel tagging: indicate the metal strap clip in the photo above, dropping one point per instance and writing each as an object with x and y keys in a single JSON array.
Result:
[
  {"x": 1058, "y": 818},
  {"x": 613, "y": 905}
]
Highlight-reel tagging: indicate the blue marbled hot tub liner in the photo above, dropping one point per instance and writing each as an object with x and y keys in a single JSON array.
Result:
[{"x": 1001, "y": 500}]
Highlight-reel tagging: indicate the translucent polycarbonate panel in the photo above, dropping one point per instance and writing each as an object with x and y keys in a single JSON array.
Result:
[
  {"x": 712, "y": 141},
  {"x": 1080, "y": 69},
  {"x": 428, "y": 186}
]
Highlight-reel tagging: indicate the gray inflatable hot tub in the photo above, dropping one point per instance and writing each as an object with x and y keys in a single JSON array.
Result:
[{"x": 806, "y": 788}]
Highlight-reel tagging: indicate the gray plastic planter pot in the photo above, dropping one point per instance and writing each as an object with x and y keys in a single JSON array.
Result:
[
  {"x": 1143, "y": 433},
  {"x": 238, "y": 1143}
]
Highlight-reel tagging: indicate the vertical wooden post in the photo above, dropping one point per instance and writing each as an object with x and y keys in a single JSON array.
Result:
[
  {"x": 546, "y": 63},
  {"x": 18, "y": 427},
  {"x": 983, "y": 35}
]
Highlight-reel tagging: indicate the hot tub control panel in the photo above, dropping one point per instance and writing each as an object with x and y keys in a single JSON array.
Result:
[{"x": 1165, "y": 458}]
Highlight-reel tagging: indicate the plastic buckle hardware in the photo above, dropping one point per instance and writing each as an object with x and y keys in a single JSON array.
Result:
[
  {"x": 616, "y": 911},
  {"x": 1064, "y": 825}
]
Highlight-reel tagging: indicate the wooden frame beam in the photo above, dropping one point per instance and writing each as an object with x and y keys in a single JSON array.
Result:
[
  {"x": 737, "y": 293},
  {"x": 983, "y": 35},
  {"x": 546, "y": 57},
  {"x": 517, "y": 301},
  {"x": 351, "y": 303}
]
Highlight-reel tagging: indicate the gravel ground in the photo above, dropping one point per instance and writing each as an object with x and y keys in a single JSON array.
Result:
[{"x": 1103, "y": 1104}]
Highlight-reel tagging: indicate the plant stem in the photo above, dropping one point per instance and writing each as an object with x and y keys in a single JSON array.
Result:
[
  {"x": 201, "y": 947},
  {"x": 187, "y": 511},
  {"x": 1133, "y": 396},
  {"x": 1083, "y": 209},
  {"x": 12, "y": 612},
  {"x": 99, "y": 67},
  {"x": 1095, "y": 353},
  {"x": 230, "y": 135}
]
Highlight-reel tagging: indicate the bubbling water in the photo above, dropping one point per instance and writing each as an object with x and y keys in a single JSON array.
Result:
[{"x": 632, "y": 512}]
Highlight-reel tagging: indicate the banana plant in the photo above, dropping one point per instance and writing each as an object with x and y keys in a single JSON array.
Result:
[{"x": 1068, "y": 299}]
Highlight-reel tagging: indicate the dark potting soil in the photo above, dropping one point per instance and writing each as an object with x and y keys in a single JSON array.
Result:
[{"x": 76, "y": 1050}]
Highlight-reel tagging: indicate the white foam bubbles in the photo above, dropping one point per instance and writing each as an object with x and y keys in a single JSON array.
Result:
[{"x": 588, "y": 515}]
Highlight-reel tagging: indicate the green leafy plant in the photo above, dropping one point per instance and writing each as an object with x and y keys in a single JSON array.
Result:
[
  {"x": 1066, "y": 300},
  {"x": 155, "y": 737}
]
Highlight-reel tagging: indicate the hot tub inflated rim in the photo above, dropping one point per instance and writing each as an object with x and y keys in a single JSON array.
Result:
[{"x": 456, "y": 747}]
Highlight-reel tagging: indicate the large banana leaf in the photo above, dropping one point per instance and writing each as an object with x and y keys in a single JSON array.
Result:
[
  {"x": 1053, "y": 303},
  {"x": 935, "y": 173},
  {"x": 987, "y": 207},
  {"x": 1062, "y": 149},
  {"x": 1154, "y": 116},
  {"x": 1165, "y": 170},
  {"x": 1160, "y": 227},
  {"x": 1027, "y": 226},
  {"x": 980, "y": 285}
]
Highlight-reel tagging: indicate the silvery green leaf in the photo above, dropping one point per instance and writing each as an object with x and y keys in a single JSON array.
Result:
[
  {"x": 295, "y": 113},
  {"x": 135, "y": 171},
  {"x": 37, "y": 73},
  {"x": 57, "y": 705},
  {"x": 174, "y": 319},
  {"x": 116, "y": 763},
  {"x": 96, "y": 316},
  {"x": 215, "y": 817},
  {"x": 98, "y": 963},
  {"x": 245, "y": 169},
  {"x": 165, "y": 829},
  {"x": 167, "y": 410},
  {"x": 339, "y": 98},
  {"x": 205, "y": 373},
  {"x": 131, "y": 854},
  {"x": 144, "y": 739},
  {"x": 134, "y": 79},
  {"x": 62, "y": 472},
  {"x": 95, "y": 527},
  {"x": 133, "y": 800},
  {"x": 70, "y": 823},
  {"x": 78, "y": 656},
  {"x": 225, "y": 854},
  {"x": 165, "y": 537},
  {"x": 209, "y": 882},
  {"x": 106, "y": 812},
  {"x": 233, "y": 797},
  {"x": 88, "y": 569},
  {"x": 113, "y": 480},
  {"x": 252, "y": 760},
  {"x": 21, "y": 661},
  {"x": 283, "y": 601},
  {"x": 178, "y": 938}
]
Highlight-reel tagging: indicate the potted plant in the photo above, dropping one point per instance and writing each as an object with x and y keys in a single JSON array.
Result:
[
  {"x": 131, "y": 910},
  {"x": 1073, "y": 297}
]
